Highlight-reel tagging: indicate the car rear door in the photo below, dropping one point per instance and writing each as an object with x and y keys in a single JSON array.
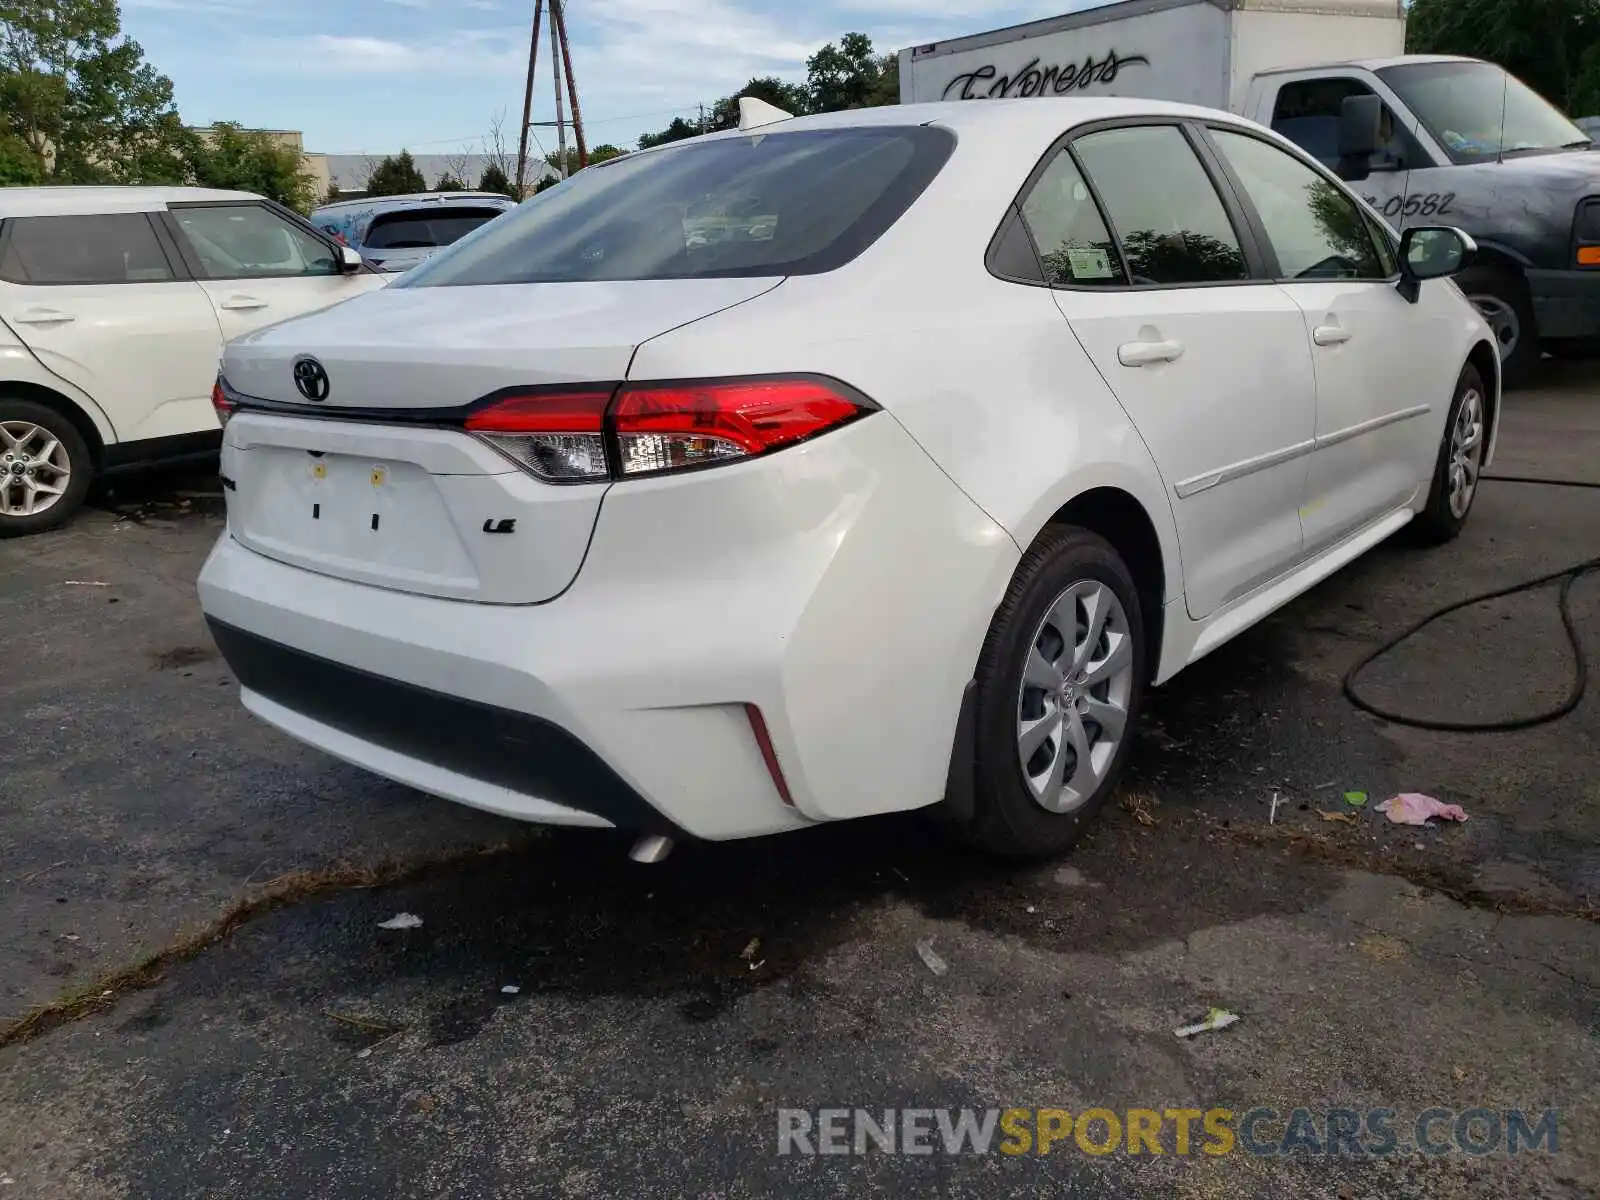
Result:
[
  {"x": 1381, "y": 382},
  {"x": 1159, "y": 282},
  {"x": 104, "y": 304},
  {"x": 258, "y": 266}
]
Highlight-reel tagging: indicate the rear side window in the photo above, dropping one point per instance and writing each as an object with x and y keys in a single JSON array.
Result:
[
  {"x": 756, "y": 205},
  {"x": 1074, "y": 244},
  {"x": 1162, "y": 205},
  {"x": 425, "y": 228},
  {"x": 106, "y": 248}
]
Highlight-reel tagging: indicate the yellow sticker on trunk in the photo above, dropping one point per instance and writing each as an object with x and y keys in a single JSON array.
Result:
[
  {"x": 377, "y": 476},
  {"x": 319, "y": 471}
]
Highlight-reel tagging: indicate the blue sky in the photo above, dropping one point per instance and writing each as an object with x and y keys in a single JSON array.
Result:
[{"x": 371, "y": 76}]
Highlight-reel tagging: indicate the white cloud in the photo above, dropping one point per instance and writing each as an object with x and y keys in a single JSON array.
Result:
[{"x": 469, "y": 52}]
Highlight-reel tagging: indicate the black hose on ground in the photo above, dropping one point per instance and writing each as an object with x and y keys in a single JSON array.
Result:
[{"x": 1567, "y": 577}]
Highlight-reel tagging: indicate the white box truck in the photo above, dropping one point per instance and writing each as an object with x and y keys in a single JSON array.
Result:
[{"x": 1459, "y": 141}]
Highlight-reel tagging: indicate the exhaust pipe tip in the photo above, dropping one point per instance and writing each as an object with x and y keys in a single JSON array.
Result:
[{"x": 652, "y": 849}]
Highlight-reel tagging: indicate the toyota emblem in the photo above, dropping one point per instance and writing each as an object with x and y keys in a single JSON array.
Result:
[{"x": 311, "y": 379}]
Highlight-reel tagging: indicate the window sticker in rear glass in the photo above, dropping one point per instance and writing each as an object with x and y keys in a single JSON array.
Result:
[{"x": 1089, "y": 262}]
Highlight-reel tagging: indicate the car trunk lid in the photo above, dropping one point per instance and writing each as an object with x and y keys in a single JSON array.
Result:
[{"x": 368, "y": 476}]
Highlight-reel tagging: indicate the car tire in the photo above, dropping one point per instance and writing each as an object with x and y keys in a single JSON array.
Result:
[
  {"x": 1503, "y": 299},
  {"x": 1457, "y": 470},
  {"x": 39, "y": 446},
  {"x": 1069, "y": 576}
]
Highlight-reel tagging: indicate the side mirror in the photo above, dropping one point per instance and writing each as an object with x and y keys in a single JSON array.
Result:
[
  {"x": 350, "y": 260},
  {"x": 1359, "y": 121},
  {"x": 1431, "y": 252}
]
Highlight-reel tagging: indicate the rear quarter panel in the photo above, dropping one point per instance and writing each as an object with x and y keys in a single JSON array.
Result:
[{"x": 986, "y": 375}]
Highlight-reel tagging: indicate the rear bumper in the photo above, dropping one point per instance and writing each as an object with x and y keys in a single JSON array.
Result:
[
  {"x": 495, "y": 747},
  {"x": 1566, "y": 304},
  {"x": 843, "y": 588}
]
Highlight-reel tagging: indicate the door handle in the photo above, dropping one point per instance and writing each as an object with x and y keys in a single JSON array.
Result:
[
  {"x": 1140, "y": 354},
  {"x": 242, "y": 303},
  {"x": 1330, "y": 335},
  {"x": 39, "y": 315}
]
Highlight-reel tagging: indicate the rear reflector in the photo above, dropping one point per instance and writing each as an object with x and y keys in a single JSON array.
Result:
[
  {"x": 563, "y": 436},
  {"x": 769, "y": 755}
]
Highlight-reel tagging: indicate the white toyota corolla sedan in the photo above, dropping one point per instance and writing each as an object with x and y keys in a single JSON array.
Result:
[{"x": 855, "y": 463}]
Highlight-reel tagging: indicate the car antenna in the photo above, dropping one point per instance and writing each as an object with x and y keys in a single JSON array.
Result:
[{"x": 754, "y": 113}]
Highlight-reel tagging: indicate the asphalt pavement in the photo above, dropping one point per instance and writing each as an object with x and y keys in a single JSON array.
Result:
[{"x": 667, "y": 1020}]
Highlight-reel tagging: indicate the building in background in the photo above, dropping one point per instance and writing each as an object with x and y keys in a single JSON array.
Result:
[{"x": 350, "y": 172}]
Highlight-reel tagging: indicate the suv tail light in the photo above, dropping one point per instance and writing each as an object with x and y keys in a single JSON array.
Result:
[
  {"x": 221, "y": 403},
  {"x": 584, "y": 435}
]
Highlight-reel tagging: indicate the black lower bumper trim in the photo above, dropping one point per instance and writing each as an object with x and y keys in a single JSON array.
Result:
[{"x": 495, "y": 745}]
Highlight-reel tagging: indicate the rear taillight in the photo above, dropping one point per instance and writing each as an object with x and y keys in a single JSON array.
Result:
[
  {"x": 557, "y": 436},
  {"x": 668, "y": 427},
  {"x": 221, "y": 403},
  {"x": 568, "y": 436}
]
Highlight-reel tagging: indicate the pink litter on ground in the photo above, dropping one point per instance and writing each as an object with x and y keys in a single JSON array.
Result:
[{"x": 1413, "y": 808}]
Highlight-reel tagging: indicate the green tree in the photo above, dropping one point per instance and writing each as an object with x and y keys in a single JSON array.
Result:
[
  {"x": 597, "y": 154},
  {"x": 790, "y": 97},
  {"x": 334, "y": 194},
  {"x": 449, "y": 183},
  {"x": 494, "y": 179},
  {"x": 396, "y": 175},
  {"x": 81, "y": 97},
  {"x": 1552, "y": 45},
  {"x": 227, "y": 156},
  {"x": 675, "y": 132},
  {"x": 851, "y": 75},
  {"x": 19, "y": 166}
]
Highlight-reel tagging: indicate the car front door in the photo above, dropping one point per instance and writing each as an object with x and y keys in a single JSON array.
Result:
[
  {"x": 105, "y": 306},
  {"x": 1374, "y": 353},
  {"x": 259, "y": 267},
  {"x": 1210, "y": 363}
]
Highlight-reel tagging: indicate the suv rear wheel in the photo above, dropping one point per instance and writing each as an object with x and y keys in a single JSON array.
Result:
[{"x": 44, "y": 468}]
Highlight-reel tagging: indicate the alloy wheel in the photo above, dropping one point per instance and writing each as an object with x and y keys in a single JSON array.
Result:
[
  {"x": 34, "y": 469},
  {"x": 1466, "y": 452},
  {"x": 1072, "y": 708}
]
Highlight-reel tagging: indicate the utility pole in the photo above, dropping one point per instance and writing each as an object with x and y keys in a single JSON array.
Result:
[
  {"x": 561, "y": 63},
  {"x": 558, "y": 11},
  {"x": 555, "y": 59},
  {"x": 527, "y": 105},
  {"x": 702, "y": 118}
]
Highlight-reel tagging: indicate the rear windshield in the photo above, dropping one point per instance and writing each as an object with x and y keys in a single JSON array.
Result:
[
  {"x": 426, "y": 227},
  {"x": 762, "y": 204}
]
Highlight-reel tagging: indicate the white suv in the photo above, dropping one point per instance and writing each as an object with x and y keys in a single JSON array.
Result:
[
  {"x": 115, "y": 305},
  {"x": 976, "y": 420}
]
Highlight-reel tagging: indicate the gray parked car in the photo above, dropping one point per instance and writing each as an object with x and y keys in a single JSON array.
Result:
[{"x": 395, "y": 233}]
